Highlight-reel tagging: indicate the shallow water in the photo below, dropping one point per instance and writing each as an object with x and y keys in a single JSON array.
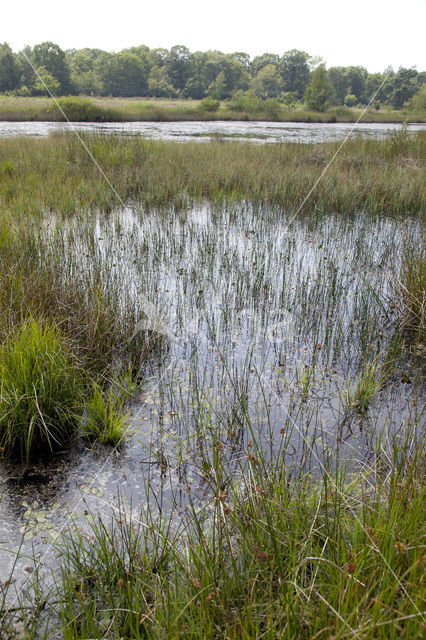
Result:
[
  {"x": 204, "y": 131},
  {"x": 264, "y": 328}
]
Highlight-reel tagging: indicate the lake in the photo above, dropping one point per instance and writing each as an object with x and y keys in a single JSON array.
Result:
[{"x": 204, "y": 131}]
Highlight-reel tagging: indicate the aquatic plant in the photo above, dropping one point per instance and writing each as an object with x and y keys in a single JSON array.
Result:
[
  {"x": 40, "y": 390},
  {"x": 410, "y": 295},
  {"x": 104, "y": 416}
]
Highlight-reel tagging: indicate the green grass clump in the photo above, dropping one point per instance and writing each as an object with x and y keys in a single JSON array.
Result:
[
  {"x": 411, "y": 292},
  {"x": 39, "y": 391},
  {"x": 105, "y": 417}
]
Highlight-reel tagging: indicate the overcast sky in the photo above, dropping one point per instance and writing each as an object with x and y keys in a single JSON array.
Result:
[{"x": 372, "y": 33}]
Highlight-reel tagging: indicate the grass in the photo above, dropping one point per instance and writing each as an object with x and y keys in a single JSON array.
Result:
[
  {"x": 105, "y": 419},
  {"x": 39, "y": 391},
  {"x": 369, "y": 382},
  {"x": 160, "y": 109},
  {"x": 57, "y": 175},
  {"x": 410, "y": 293},
  {"x": 268, "y": 509},
  {"x": 275, "y": 555}
]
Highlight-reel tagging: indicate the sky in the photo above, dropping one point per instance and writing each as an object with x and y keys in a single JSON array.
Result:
[{"x": 372, "y": 33}]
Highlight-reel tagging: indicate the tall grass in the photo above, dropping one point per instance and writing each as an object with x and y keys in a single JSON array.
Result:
[
  {"x": 38, "y": 277},
  {"x": 40, "y": 391},
  {"x": 410, "y": 291},
  {"x": 56, "y": 174},
  {"x": 104, "y": 418},
  {"x": 274, "y": 555}
]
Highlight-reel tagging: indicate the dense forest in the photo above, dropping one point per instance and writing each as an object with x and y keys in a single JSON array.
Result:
[{"x": 142, "y": 72}]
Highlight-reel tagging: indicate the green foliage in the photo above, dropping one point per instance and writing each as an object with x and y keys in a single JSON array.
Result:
[
  {"x": 39, "y": 391},
  {"x": 50, "y": 57},
  {"x": 268, "y": 82},
  {"x": 419, "y": 100},
  {"x": 104, "y": 419},
  {"x": 350, "y": 100},
  {"x": 282, "y": 556},
  {"x": 121, "y": 74},
  {"x": 295, "y": 71},
  {"x": 319, "y": 94},
  {"x": 369, "y": 382},
  {"x": 244, "y": 101},
  {"x": 9, "y": 69},
  {"x": 78, "y": 110},
  {"x": 159, "y": 85},
  {"x": 46, "y": 83},
  {"x": 209, "y": 104},
  {"x": 410, "y": 296}
]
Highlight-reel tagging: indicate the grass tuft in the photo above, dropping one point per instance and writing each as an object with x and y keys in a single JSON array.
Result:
[
  {"x": 39, "y": 391},
  {"x": 105, "y": 417}
]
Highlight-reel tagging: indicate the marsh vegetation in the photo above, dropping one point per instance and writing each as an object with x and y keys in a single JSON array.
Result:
[{"x": 255, "y": 359}]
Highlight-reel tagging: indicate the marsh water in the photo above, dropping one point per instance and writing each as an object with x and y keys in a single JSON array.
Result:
[
  {"x": 264, "y": 329},
  {"x": 204, "y": 131}
]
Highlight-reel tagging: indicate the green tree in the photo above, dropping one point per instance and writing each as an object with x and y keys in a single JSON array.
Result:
[
  {"x": 44, "y": 81},
  {"x": 350, "y": 100},
  {"x": 268, "y": 82},
  {"x": 319, "y": 93},
  {"x": 406, "y": 83},
  {"x": 9, "y": 69},
  {"x": 355, "y": 82},
  {"x": 243, "y": 58},
  {"x": 295, "y": 71},
  {"x": 50, "y": 56},
  {"x": 259, "y": 62},
  {"x": 159, "y": 85},
  {"x": 338, "y": 79},
  {"x": 196, "y": 85},
  {"x": 178, "y": 65},
  {"x": 82, "y": 71},
  {"x": 218, "y": 88},
  {"x": 121, "y": 74},
  {"x": 419, "y": 100}
]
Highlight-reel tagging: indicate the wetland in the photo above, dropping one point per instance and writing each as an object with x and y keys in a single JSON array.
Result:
[{"x": 246, "y": 326}]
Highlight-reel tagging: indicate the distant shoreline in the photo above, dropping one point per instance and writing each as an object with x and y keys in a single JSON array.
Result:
[{"x": 81, "y": 109}]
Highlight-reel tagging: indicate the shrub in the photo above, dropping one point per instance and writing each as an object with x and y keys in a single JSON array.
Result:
[
  {"x": 78, "y": 110},
  {"x": 350, "y": 100},
  {"x": 271, "y": 106},
  {"x": 209, "y": 104},
  {"x": 244, "y": 101},
  {"x": 39, "y": 391}
]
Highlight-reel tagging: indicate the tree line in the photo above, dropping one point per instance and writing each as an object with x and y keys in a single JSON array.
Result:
[{"x": 177, "y": 73}]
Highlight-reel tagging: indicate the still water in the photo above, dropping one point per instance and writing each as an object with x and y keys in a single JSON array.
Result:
[
  {"x": 265, "y": 330},
  {"x": 204, "y": 131}
]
